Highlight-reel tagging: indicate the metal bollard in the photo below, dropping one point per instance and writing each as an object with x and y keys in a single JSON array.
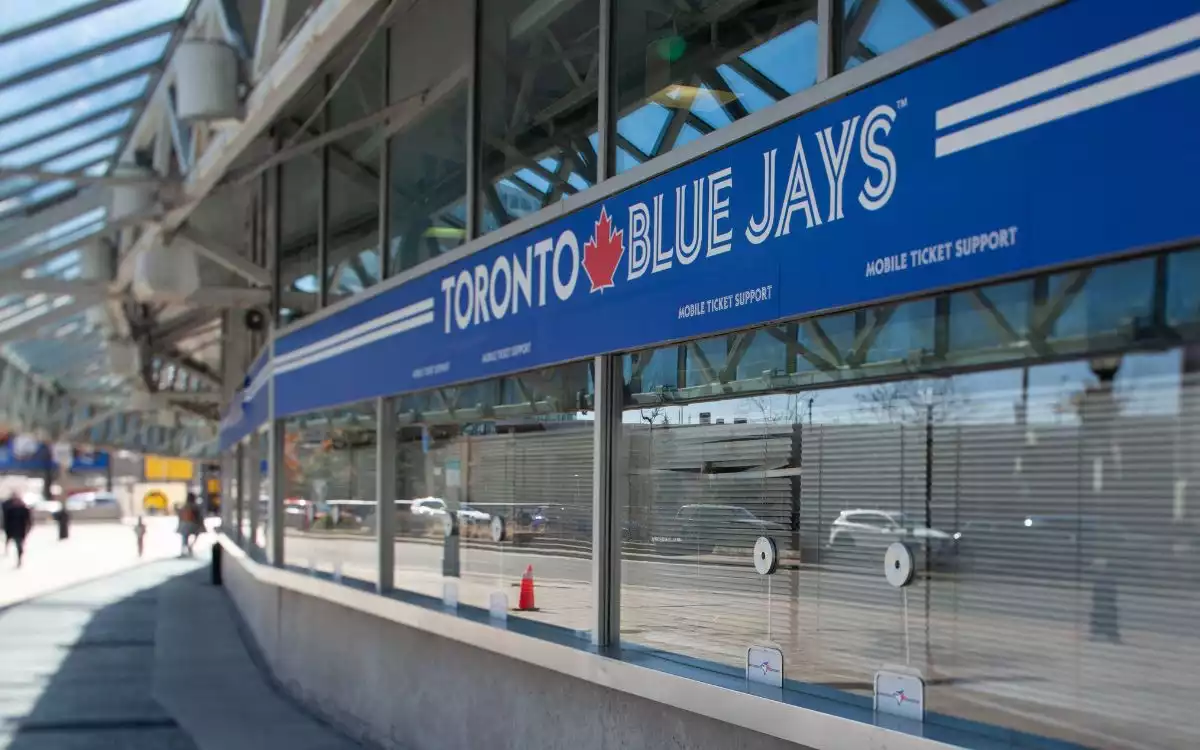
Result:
[{"x": 217, "y": 551}]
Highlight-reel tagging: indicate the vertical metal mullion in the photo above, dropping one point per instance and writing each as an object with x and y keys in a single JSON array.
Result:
[
  {"x": 323, "y": 213},
  {"x": 609, "y": 394},
  {"x": 828, "y": 38},
  {"x": 240, "y": 479},
  {"x": 606, "y": 124},
  {"x": 607, "y": 501},
  {"x": 385, "y": 167},
  {"x": 474, "y": 155},
  {"x": 385, "y": 492},
  {"x": 272, "y": 181},
  {"x": 275, "y": 437},
  {"x": 253, "y": 454}
]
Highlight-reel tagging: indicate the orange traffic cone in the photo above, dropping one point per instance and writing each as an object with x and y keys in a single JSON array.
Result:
[{"x": 525, "y": 602}]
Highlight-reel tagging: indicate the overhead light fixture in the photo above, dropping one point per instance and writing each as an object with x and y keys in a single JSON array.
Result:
[
  {"x": 695, "y": 98},
  {"x": 444, "y": 233}
]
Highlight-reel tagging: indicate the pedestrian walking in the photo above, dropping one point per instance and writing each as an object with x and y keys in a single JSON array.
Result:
[
  {"x": 139, "y": 531},
  {"x": 18, "y": 520},
  {"x": 189, "y": 524}
]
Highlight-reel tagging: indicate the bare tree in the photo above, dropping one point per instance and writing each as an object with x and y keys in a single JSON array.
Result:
[{"x": 908, "y": 401}]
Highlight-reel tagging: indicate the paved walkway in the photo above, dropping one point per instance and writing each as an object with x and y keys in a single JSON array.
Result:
[{"x": 145, "y": 658}]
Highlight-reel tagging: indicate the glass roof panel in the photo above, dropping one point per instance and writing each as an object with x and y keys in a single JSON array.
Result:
[
  {"x": 88, "y": 32},
  {"x": 85, "y": 156},
  {"x": 70, "y": 112},
  {"x": 17, "y": 14},
  {"x": 21, "y": 96},
  {"x": 64, "y": 142}
]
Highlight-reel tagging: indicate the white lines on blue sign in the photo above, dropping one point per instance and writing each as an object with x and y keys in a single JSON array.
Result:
[
  {"x": 259, "y": 381},
  {"x": 412, "y": 316},
  {"x": 1100, "y": 62}
]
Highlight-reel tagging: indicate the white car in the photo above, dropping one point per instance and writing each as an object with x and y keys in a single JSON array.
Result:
[{"x": 429, "y": 506}]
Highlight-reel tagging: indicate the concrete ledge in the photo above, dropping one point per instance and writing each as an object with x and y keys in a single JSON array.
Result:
[{"x": 321, "y": 650}]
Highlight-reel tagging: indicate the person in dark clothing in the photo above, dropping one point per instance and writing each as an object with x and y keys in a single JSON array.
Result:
[{"x": 18, "y": 520}]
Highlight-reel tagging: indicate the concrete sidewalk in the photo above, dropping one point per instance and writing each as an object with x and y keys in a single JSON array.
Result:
[{"x": 149, "y": 658}]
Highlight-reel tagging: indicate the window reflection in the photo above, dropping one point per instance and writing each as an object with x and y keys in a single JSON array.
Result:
[
  {"x": 508, "y": 458},
  {"x": 353, "y": 202},
  {"x": 684, "y": 71},
  {"x": 1047, "y": 504},
  {"x": 429, "y": 183},
  {"x": 539, "y": 68},
  {"x": 873, "y": 27},
  {"x": 329, "y": 501}
]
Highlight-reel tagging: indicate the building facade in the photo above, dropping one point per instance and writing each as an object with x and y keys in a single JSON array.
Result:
[{"x": 610, "y": 291}]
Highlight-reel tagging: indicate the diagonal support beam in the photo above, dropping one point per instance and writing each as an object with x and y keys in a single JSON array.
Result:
[{"x": 224, "y": 256}]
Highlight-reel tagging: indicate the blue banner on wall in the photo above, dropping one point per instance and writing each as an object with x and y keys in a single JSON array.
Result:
[
  {"x": 1070, "y": 136},
  {"x": 251, "y": 403},
  {"x": 23, "y": 455}
]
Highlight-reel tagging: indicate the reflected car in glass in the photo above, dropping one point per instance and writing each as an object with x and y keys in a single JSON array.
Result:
[
  {"x": 711, "y": 529},
  {"x": 861, "y": 536}
]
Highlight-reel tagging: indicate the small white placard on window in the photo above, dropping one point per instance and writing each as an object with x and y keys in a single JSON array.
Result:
[
  {"x": 498, "y": 606},
  {"x": 764, "y": 666},
  {"x": 900, "y": 694},
  {"x": 450, "y": 594}
]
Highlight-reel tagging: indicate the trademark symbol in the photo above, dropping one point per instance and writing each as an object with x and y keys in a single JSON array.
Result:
[{"x": 902, "y": 103}]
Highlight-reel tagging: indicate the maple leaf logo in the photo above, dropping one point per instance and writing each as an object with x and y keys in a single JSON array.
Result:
[{"x": 602, "y": 252}]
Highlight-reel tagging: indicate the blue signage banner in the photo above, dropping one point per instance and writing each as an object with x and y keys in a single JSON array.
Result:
[
  {"x": 27, "y": 456},
  {"x": 250, "y": 405},
  {"x": 1067, "y": 137}
]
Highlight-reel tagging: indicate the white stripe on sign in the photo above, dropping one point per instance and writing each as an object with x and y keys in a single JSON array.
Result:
[
  {"x": 1101, "y": 61},
  {"x": 383, "y": 320},
  {"x": 259, "y": 381},
  {"x": 348, "y": 346},
  {"x": 1080, "y": 100}
]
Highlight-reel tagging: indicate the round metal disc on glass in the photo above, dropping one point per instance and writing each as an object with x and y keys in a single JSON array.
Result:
[
  {"x": 497, "y": 529},
  {"x": 766, "y": 556},
  {"x": 898, "y": 565}
]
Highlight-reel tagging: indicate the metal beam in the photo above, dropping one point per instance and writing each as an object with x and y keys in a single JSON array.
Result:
[
  {"x": 270, "y": 34},
  {"x": 224, "y": 256},
  {"x": 324, "y": 29}
]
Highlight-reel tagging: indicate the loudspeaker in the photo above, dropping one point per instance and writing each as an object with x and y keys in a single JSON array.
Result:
[{"x": 255, "y": 319}]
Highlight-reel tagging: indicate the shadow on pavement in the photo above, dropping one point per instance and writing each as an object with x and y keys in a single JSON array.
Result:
[{"x": 77, "y": 666}]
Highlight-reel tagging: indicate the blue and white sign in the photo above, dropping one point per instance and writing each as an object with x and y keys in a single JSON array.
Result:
[
  {"x": 1070, "y": 136},
  {"x": 250, "y": 404}
]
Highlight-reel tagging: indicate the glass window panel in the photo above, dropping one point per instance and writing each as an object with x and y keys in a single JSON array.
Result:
[
  {"x": 329, "y": 492},
  {"x": 79, "y": 35},
  {"x": 429, "y": 183},
  {"x": 1040, "y": 523},
  {"x": 28, "y": 94},
  {"x": 300, "y": 187},
  {"x": 684, "y": 70},
  {"x": 515, "y": 449},
  {"x": 539, "y": 68},
  {"x": 873, "y": 27},
  {"x": 1183, "y": 294}
]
